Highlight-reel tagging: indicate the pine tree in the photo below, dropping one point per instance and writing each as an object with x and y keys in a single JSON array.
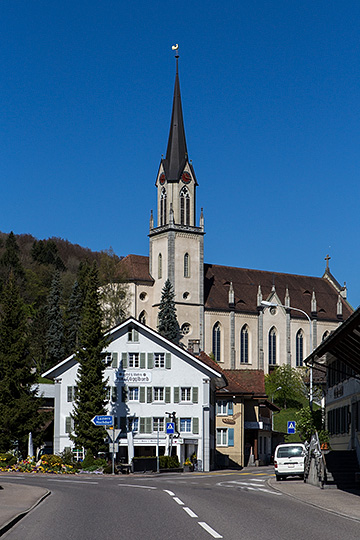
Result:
[
  {"x": 73, "y": 318},
  {"x": 168, "y": 325},
  {"x": 55, "y": 332},
  {"x": 91, "y": 387},
  {"x": 10, "y": 260},
  {"x": 18, "y": 401}
]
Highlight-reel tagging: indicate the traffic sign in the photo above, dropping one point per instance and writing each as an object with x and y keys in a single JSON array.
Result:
[
  {"x": 170, "y": 428},
  {"x": 103, "y": 420},
  {"x": 291, "y": 427}
]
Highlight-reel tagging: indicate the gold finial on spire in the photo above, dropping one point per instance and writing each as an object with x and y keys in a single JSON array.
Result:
[{"x": 176, "y": 49}]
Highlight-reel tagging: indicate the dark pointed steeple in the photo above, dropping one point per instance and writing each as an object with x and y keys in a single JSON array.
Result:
[{"x": 176, "y": 153}]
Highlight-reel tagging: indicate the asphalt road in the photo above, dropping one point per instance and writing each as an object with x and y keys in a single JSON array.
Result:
[{"x": 194, "y": 506}]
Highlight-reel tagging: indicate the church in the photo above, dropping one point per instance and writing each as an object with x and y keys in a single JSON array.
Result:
[{"x": 242, "y": 318}]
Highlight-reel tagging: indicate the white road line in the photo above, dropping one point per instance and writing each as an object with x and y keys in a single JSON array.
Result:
[
  {"x": 171, "y": 493},
  {"x": 190, "y": 512},
  {"x": 208, "y": 529},
  {"x": 72, "y": 481},
  {"x": 136, "y": 486},
  {"x": 179, "y": 501},
  {"x": 269, "y": 491}
]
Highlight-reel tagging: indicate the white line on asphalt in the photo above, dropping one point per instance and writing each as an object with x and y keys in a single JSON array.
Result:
[
  {"x": 179, "y": 501},
  {"x": 208, "y": 529},
  {"x": 269, "y": 491},
  {"x": 72, "y": 481},
  {"x": 137, "y": 486},
  {"x": 190, "y": 512},
  {"x": 169, "y": 492}
]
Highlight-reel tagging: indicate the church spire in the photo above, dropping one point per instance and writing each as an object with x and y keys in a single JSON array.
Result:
[{"x": 176, "y": 153}]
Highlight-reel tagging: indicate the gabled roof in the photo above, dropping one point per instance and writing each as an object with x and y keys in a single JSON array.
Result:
[
  {"x": 176, "y": 153},
  {"x": 245, "y": 381},
  {"x": 179, "y": 351},
  {"x": 136, "y": 268},
  {"x": 343, "y": 344},
  {"x": 246, "y": 282}
]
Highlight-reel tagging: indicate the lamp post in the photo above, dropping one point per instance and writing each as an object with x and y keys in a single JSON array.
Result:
[{"x": 275, "y": 304}]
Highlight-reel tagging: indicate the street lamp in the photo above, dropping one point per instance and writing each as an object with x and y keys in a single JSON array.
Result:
[{"x": 275, "y": 304}]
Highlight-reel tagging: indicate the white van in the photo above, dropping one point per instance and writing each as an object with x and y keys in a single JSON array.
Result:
[{"x": 289, "y": 460}]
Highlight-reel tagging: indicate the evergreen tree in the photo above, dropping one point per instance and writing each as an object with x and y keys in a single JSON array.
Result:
[
  {"x": 18, "y": 402},
  {"x": 55, "y": 331},
  {"x": 10, "y": 260},
  {"x": 168, "y": 325},
  {"x": 91, "y": 387},
  {"x": 73, "y": 318}
]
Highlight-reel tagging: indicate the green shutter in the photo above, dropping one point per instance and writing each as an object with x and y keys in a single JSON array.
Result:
[
  {"x": 142, "y": 425},
  {"x": 69, "y": 393},
  {"x": 148, "y": 425},
  {"x": 142, "y": 394},
  {"x": 142, "y": 360},
  {"x": 114, "y": 360},
  {"x": 168, "y": 360},
  {"x": 195, "y": 394},
  {"x": 68, "y": 424},
  {"x": 176, "y": 394},
  {"x": 195, "y": 426},
  {"x": 136, "y": 334},
  {"x": 150, "y": 359},
  {"x": 124, "y": 360},
  {"x": 149, "y": 394},
  {"x": 167, "y": 394}
]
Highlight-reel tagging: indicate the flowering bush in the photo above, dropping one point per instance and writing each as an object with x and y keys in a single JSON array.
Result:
[{"x": 47, "y": 464}]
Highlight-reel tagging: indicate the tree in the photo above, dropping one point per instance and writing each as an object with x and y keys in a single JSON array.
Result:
[
  {"x": 55, "y": 330},
  {"x": 308, "y": 421},
  {"x": 10, "y": 260},
  {"x": 115, "y": 299},
  {"x": 168, "y": 325},
  {"x": 18, "y": 401},
  {"x": 91, "y": 388},
  {"x": 286, "y": 386},
  {"x": 73, "y": 318}
]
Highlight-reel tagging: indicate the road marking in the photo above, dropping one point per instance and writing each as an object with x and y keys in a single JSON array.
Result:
[
  {"x": 137, "y": 486},
  {"x": 169, "y": 492},
  {"x": 208, "y": 529},
  {"x": 72, "y": 481},
  {"x": 190, "y": 512},
  {"x": 179, "y": 501}
]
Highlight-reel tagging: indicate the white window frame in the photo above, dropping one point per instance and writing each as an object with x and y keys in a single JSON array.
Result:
[
  {"x": 159, "y": 394},
  {"x": 133, "y": 423},
  {"x": 187, "y": 424},
  {"x": 222, "y": 407},
  {"x": 134, "y": 360},
  {"x": 158, "y": 420},
  {"x": 159, "y": 360},
  {"x": 133, "y": 393},
  {"x": 185, "y": 394},
  {"x": 222, "y": 437}
]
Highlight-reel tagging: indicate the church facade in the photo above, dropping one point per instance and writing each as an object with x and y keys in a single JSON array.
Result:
[{"x": 220, "y": 309}]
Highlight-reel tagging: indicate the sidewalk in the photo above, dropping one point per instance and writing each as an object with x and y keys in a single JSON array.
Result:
[
  {"x": 16, "y": 500},
  {"x": 333, "y": 500}
]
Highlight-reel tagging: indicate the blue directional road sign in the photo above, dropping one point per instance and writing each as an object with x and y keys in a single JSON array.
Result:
[
  {"x": 170, "y": 428},
  {"x": 103, "y": 420},
  {"x": 291, "y": 427}
]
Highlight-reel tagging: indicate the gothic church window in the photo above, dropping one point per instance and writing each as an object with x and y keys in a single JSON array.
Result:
[
  {"x": 216, "y": 341},
  {"x": 186, "y": 265},
  {"x": 244, "y": 345},
  {"x": 299, "y": 348},
  {"x": 159, "y": 266},
  {"x": 163, "y": 207},
  {"x": 142, "y": 317},
  {"x": 184, "y": 206},
  {"x": 272, "y": 347}
]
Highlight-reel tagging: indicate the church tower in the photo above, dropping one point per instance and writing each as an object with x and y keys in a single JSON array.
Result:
[{"x": 176, "y": 242}]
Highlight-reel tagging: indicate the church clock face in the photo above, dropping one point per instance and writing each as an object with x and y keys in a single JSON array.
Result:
[
  {"x": 162, "y": 179},
  {"x": 186, "y": 178}
]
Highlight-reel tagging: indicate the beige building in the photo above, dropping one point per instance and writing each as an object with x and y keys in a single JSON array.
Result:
[{"x": 219, "y": 308}]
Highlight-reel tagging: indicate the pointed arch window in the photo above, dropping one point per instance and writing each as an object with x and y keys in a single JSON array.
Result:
[
  {"x": 216, "y": 341},
  {"x": 186, "y": 265},
  {"x": 244, "y": 345},
  {"x": 184, "y": 206},
  {"x": 325, "y": 335},
  {"x": 163, "y": 207},
  {"x": 159, "y": 266},
  {"x": 142, "y": 317},
  {"x": 272, "y": 347},
  {"x": 299, "y": 348}
]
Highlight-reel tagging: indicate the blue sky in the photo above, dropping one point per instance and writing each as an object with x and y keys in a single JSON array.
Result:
[{"x": 271, "y": 103}]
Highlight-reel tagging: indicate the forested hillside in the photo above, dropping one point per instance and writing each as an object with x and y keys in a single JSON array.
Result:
[{"x": 50, "y": 275}]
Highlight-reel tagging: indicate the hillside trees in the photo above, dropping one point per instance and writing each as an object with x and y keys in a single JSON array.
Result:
[
  {"x": 115, "y": 297},
  {"x": 168, "y": 325},
  {"x": 55, "y": 348},
  {"x": 91, "y": 388},
  {"x": 18, "y": 402},
  {"x": 286, "y": 386}
]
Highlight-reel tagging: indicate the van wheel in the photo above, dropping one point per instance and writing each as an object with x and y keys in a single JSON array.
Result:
[{"x": 277, "y": 477}]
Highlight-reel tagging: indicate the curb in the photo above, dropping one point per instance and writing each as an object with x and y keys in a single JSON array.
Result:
[{"x": 7, "y": 526}]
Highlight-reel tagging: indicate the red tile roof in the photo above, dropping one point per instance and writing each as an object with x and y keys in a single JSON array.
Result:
[
  {"x": 136, "y": 268},
  {"x": 244, "y": 381}
]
